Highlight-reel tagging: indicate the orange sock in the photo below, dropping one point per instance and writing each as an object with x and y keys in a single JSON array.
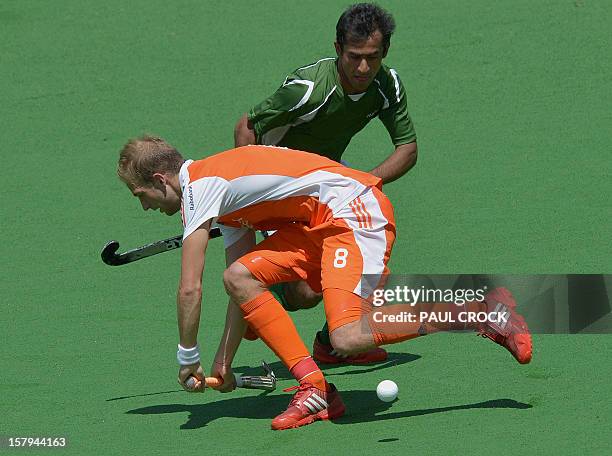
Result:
[
  {"x": 307, "y": 371},
  {"x": 272, "y": 324}
]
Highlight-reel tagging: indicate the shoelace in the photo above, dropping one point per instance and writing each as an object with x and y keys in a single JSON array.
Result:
[{"x": 300, "y": 388}]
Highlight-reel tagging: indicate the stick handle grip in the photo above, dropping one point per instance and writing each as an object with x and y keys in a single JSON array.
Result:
[
  {"x": 211, "y": 381},
  {"x": 216, "y": 382}
]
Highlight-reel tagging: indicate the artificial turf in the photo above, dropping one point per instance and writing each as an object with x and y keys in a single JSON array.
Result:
[{"x": 511, "y": 101}]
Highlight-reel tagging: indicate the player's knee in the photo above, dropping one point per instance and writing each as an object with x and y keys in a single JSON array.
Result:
[
  {"x": 345, "y": 339},
  {"x": 234, "y": 277}
]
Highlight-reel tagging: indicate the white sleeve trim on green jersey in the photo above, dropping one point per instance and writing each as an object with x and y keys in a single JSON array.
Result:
[
  {"x": 309, "y": 84},
  {"x": 386, "y": 103},
  {"x": 309, "y": 116},
  {"x": 396, "y": 82},
  {"x": 306, "y": 82},
  {"x": 273, "y": 136},
  {"x": 316, "y": 63}
]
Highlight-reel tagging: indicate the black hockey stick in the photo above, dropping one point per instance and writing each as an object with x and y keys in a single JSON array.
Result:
[{"x": 112, "y": 258}]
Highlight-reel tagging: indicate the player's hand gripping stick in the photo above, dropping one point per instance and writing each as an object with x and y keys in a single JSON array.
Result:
[{"x": 259, "y": 382}]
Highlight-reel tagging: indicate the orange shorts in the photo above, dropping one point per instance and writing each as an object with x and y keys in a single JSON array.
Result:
[{"x": 340, "y": 252}]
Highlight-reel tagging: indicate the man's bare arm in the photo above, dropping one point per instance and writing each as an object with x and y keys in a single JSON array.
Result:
[
  {"x": 244, "y": 133},
  {"x": 189, "y": 296},
  {"x": 398, "y": 163}
]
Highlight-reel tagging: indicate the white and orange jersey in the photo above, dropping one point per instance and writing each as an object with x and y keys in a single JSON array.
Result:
[{"x": 266, "y": 188}]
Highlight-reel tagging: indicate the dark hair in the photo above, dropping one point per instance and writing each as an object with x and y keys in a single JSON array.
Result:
[{"x": 361, "y": 20}]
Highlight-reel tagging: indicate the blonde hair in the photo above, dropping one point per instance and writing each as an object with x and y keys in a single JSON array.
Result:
[{"x": 142, "y": 157}]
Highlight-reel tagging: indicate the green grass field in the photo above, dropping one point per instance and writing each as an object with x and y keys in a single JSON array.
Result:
[{"x": 511, "y": 101}]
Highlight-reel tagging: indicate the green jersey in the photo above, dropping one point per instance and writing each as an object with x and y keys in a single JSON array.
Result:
[{"x": 311, "y": 112}]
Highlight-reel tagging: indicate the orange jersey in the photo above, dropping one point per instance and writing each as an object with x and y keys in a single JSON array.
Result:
[{"x": 266, "y": 188}]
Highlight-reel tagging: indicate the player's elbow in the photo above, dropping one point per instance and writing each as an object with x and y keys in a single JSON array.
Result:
[
  {"x": 240, "y": 125},
  {"x": 414, "y": 154},
  {"x": 407, "y": 159},
  {"x": 411, "y": 155},
  {"x": 244, "y": 133}
]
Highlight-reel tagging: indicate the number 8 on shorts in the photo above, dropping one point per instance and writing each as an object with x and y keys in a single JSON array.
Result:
[{"x": 340, "y": 258}]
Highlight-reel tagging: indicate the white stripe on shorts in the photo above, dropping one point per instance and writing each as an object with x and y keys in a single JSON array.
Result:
[{"x": 370, "y": 237}]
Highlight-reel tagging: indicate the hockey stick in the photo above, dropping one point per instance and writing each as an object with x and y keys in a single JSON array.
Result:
[
  {"x": 112, "y": 258},
  {"x": 261, "y": 382}
]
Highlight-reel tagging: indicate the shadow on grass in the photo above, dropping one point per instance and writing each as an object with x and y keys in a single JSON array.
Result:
[
  {"x": 362, "y": 407},
  {"x": 281, "y": 372},
  {"x": 120, "y": 398}
]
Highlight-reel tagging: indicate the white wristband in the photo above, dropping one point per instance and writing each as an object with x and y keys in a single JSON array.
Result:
[{"x": 186, "y": 356}]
